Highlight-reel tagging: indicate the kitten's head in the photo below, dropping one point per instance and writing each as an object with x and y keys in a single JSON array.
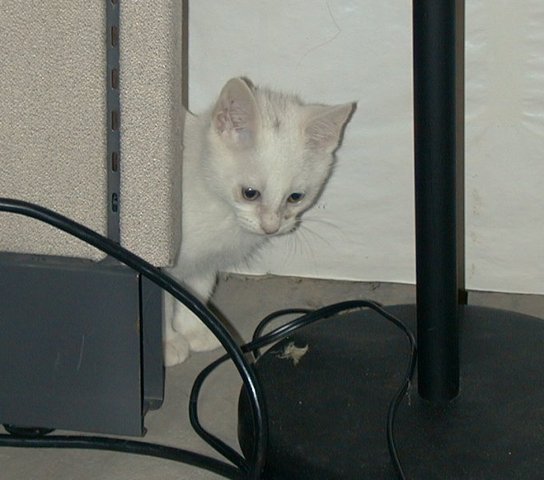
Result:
[{"x": 270, "y": 155}]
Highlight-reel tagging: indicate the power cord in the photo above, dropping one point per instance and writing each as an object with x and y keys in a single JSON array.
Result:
[
  {"x": 240, "y": 467},
  {"x": 255, "y": 464},
  {"x": 309, "y": 316}
]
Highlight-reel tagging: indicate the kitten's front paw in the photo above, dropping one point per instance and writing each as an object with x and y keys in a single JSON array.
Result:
[
  {"x": 202, "y": 340},
  {"x": 198, "y": 336},
  {"x": 175, "y": 350}
]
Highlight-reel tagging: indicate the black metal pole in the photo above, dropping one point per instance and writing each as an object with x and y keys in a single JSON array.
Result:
[{"x": 435, "y": 30}]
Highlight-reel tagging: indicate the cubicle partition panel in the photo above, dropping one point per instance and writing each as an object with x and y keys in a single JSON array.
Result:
[{"x": 90, "y": 127}]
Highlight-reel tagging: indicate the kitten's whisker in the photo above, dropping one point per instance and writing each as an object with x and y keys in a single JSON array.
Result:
[
  {"x": 323, "y": 221},
  {"x": 307, "y": 230},
  {"x": 332, "y": 227},
  {"x": 291, "y": 248},
  {"x": 304, "y": 242}
]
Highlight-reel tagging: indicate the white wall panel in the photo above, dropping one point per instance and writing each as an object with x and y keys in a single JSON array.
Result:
[
  {"x": 505, "y": 145},
  {"x": 340, "y": 50}
]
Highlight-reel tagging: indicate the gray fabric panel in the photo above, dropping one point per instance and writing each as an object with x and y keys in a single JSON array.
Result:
[
  {"x": 52, "y": 123},
  {"x": 151, "y": 121},
  {"x": 52, "y": 111}
]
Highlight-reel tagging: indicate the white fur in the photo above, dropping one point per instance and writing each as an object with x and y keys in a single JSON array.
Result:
[{"x": 252, "y": 137}]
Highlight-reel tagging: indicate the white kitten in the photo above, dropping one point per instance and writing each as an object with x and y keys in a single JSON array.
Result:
[{"x": 251, "y": 166}]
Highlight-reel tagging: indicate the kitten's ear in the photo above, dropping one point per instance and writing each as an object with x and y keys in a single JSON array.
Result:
[
  {"x": 325, "y": 125},
  {"x": 234, "y": 117}
]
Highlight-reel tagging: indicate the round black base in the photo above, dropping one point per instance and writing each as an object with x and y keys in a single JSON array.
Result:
[{"x": 328, "y": 411}]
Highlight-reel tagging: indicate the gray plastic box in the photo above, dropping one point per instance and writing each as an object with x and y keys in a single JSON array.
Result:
[{"x": 80, "y": 345}]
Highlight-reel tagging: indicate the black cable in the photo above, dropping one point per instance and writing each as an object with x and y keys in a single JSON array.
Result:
[
  {"x": 245, "y": 369},
  {"x": 125, "y": 446},
  {"x": 242, "y": 468},
  {"x": 283, "y": 332},
  {"x": 269, "y": 318},
  {"x": 215, "y": 442}
]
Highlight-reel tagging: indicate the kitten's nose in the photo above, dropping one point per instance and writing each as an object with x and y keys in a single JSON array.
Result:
[
  {"x": 270, "y": 223},
  {"x": 269, "y": 230}
]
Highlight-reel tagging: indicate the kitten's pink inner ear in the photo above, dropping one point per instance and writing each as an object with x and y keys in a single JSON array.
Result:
[
  {"x": 222, "y": 121},
  {"x": 325, "y": 124},
  {"x": 235, "y": 113}
]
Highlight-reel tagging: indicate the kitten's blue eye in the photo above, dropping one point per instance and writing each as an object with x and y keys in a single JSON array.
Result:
[
  {"x": 295, "y": 197},
  {"x": 250, "y": 194}
]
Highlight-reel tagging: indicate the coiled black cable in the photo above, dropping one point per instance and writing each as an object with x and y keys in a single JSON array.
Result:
[{"x": 308, "y": 317}]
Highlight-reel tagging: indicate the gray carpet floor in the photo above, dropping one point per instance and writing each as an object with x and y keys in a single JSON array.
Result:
[{"x": 244, "y": 301}]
